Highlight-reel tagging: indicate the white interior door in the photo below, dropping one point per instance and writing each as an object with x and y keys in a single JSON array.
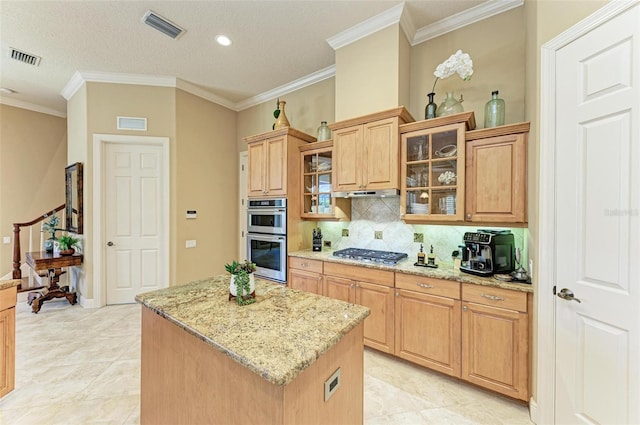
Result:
[
  {"x": 242, "y": 211},
  {"x": 133, "y": 218},
  {"x": 598, "y": 225}
]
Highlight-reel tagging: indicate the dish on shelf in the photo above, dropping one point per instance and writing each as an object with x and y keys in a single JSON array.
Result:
[
  {"x": 411, "y": 182},
  {"x": 417, "y": 208},
  {"x": 324, "y": 166},
  {"x": 311, "y": 189},
  {"x": 448, "y": 177},
  {"x": 446, "y": 151}
]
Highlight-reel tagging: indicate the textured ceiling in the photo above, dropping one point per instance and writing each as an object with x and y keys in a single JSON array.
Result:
[{"x": 274, "y": 42}]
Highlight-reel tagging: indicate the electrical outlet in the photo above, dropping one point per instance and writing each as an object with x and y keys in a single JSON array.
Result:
[
  {"x": 327, "y": 244},
  {"x": 190, "y": 244},
  {"x": 418, "y": 237},
  {"x": 6, "y": 240},
  {"x": 377, "y": 234},
  {"x": 531, "y": 268},
  {"x": 345, "y": 233}
]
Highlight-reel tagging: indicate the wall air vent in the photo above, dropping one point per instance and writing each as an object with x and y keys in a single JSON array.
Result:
[
  {"x": 25, "y": 57},
  {"x": 163, "y": 25}
]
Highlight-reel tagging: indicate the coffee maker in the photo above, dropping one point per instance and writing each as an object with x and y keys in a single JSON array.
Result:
[{"x": 487, "y": 252}]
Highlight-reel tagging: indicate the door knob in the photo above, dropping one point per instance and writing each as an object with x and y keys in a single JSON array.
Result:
[
  {"x": 109, "y": 243},
  {"x": 567, "y": 294}
]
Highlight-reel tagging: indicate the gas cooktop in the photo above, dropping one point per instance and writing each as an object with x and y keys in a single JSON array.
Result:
[{"x": 371, "y": 255}]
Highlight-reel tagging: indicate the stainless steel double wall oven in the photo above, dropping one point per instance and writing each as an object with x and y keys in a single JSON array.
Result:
[{"x": 267, "y": 237}]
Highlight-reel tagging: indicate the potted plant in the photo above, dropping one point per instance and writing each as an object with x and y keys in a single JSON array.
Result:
[
  {"x": 66, "y": 244},
  {"x": 242, "y": 281},
  {"x": 50, "y": 226}
]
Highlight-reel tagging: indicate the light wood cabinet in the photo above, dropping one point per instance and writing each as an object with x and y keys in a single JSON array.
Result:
[
  {"x": 433, "y": 168},
  {"x": 316, "y": 161},
  {"x": 305, "y": 275},
  {"x": 366, "y": 151},
  {"x": 496, "y": 174},
  {"x": 369, "y": 287},
  {"x": 495, "y": 339},
  {"x": 428, "y": 326},
  {"x": 7, "y": 339},
  {"x": 273, "y": 161}
]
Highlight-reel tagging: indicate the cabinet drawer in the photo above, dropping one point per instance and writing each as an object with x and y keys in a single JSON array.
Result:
[
  {"x": 305, "y": 264},
  {"x": 8, "y": 298},
  {"x": 381, "y": 277},
  {"x": 496, "y": 297},
  {"x": 428, "y": 285}
]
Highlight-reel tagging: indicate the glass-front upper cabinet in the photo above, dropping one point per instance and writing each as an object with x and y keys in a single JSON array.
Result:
[
  {"x": 433, "y": 167},
  {"x": 317, "y": 171}
]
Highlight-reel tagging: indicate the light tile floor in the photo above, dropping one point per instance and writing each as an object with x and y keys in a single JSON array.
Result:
[{"x": 82, "y": 366}]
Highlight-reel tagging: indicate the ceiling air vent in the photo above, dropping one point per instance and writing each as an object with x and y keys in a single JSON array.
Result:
[
  {"x": 163, "y": 25},
  {"x": 25, "y": 57}
]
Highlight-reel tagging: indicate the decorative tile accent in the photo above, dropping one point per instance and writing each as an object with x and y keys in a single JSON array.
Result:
[{"x": 370, "y": 215}]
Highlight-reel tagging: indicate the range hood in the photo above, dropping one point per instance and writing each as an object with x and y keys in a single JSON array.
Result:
[{"x": 366, "y": 193}]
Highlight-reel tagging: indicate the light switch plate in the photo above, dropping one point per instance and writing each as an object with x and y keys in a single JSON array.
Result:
[
  {"x": 191, "y": 243},
  {"x": 377, "y": 234},
  {"x": 6, "y": 240}
]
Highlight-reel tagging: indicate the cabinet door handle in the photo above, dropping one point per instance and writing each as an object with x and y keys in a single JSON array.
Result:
[
  {"x": 469, "y": 216},
  {"x": 424, "y": 285},
  {"x": 352, "y": 285},
  {"x": 304, "y": 265},
  {"x": 397, "y": 294},
  {"x": 492, "y": 297},
  {"x": 465, "y": 308}
]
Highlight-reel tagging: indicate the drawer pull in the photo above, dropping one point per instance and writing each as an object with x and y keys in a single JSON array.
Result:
[
  {"x": 304, "y": 265},
  {"x": 424, "y": 285},
  {"x": 492, "y": 297}
]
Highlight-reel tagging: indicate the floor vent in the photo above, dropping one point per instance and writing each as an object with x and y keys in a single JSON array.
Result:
[
  {"x": 25, "y": 57},
  {"x": 163, "y": 25}
]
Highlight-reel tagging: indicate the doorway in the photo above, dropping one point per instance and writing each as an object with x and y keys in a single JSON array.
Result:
[
  {"x": 130, "y": 216},
  {"x": 589, "y": 280}
]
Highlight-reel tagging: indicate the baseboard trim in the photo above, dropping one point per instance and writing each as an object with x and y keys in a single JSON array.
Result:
[
  {"x": 87, "y": 302},
  {"x": 533, "y": 410}
]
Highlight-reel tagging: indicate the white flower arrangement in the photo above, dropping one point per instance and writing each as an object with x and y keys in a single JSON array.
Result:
[{"x": 458, "y": 62}]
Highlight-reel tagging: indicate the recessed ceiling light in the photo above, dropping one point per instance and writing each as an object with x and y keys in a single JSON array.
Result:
[
  {"x": 223, "y": 40},
  {"x": 6, "y": 90}
]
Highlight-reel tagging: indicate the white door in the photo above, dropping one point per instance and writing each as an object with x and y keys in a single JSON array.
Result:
[
  {"x": 598, "y": 225},
  {"x": 133, "y": 217},
  {"x": 242, "y": 211}
]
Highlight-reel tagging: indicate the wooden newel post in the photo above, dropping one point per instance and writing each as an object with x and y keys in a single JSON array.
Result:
[{"x": 17, "y": 273}]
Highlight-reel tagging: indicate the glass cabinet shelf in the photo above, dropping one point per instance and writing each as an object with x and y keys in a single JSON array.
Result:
[
  {"x": 317, "y": 177},
  {"x": 432, "y": 166}
]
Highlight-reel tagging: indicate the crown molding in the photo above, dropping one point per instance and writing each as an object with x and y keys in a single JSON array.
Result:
[
  {"x": 462, "y": 19},
  {"x": 207, "y": 95},
  {"x": 407, "y": 25},
  {"x": 81, "y": 77},
  {"x": 33, "y": 107},
  {"x": 366, "y": 28},
  {"x": 305, "y": 81}
]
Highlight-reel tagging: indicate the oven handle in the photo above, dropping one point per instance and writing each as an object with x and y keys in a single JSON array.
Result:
[
  {"x": 266, "y": 210},
  {"x": 267, "y": 238}
]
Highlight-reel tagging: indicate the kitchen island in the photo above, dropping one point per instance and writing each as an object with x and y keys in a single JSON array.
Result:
[{"x": 206, "y": 359}]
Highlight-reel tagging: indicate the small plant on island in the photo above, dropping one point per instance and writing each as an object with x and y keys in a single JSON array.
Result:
[
  {"x": 240, "y": 274},
  {"x": 67, "y": 242}
]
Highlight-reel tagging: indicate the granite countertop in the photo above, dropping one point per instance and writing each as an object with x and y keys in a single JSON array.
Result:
[
  {"x": 6, "y": 284},
  {"x": 406, "y": 266},
  {"x": 277, "y": 337}
]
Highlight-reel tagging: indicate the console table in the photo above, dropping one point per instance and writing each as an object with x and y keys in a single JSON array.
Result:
[{"x": 53, "y": 262}]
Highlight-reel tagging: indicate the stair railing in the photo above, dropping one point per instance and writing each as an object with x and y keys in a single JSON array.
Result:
[{"x": 17, "y": 255}]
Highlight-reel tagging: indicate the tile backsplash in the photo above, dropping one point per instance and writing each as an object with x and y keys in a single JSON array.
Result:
[{"x": 372, "y": 215}]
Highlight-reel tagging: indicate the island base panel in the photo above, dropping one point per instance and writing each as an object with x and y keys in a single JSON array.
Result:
[{"x": 186, "y": 381}]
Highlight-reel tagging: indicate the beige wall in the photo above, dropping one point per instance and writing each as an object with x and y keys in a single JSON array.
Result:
[
  {"x": 305, "y": 109},
  {"x": 206, "y": 164},
  {"x": 203, "y": 168},
  {"x": 496, "y": 46},
  {"x": 33, "y": 156},
  {"x": 368, "y": 74}
]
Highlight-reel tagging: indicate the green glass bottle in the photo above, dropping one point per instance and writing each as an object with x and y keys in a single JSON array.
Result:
[{"x": 494, "y": 111}]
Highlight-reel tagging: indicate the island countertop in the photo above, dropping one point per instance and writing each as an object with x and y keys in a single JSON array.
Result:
[
  {"x": 277, "y": 337},
  {"x": 407, "y": 266},
  {"x": 6, "y": 284}
]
